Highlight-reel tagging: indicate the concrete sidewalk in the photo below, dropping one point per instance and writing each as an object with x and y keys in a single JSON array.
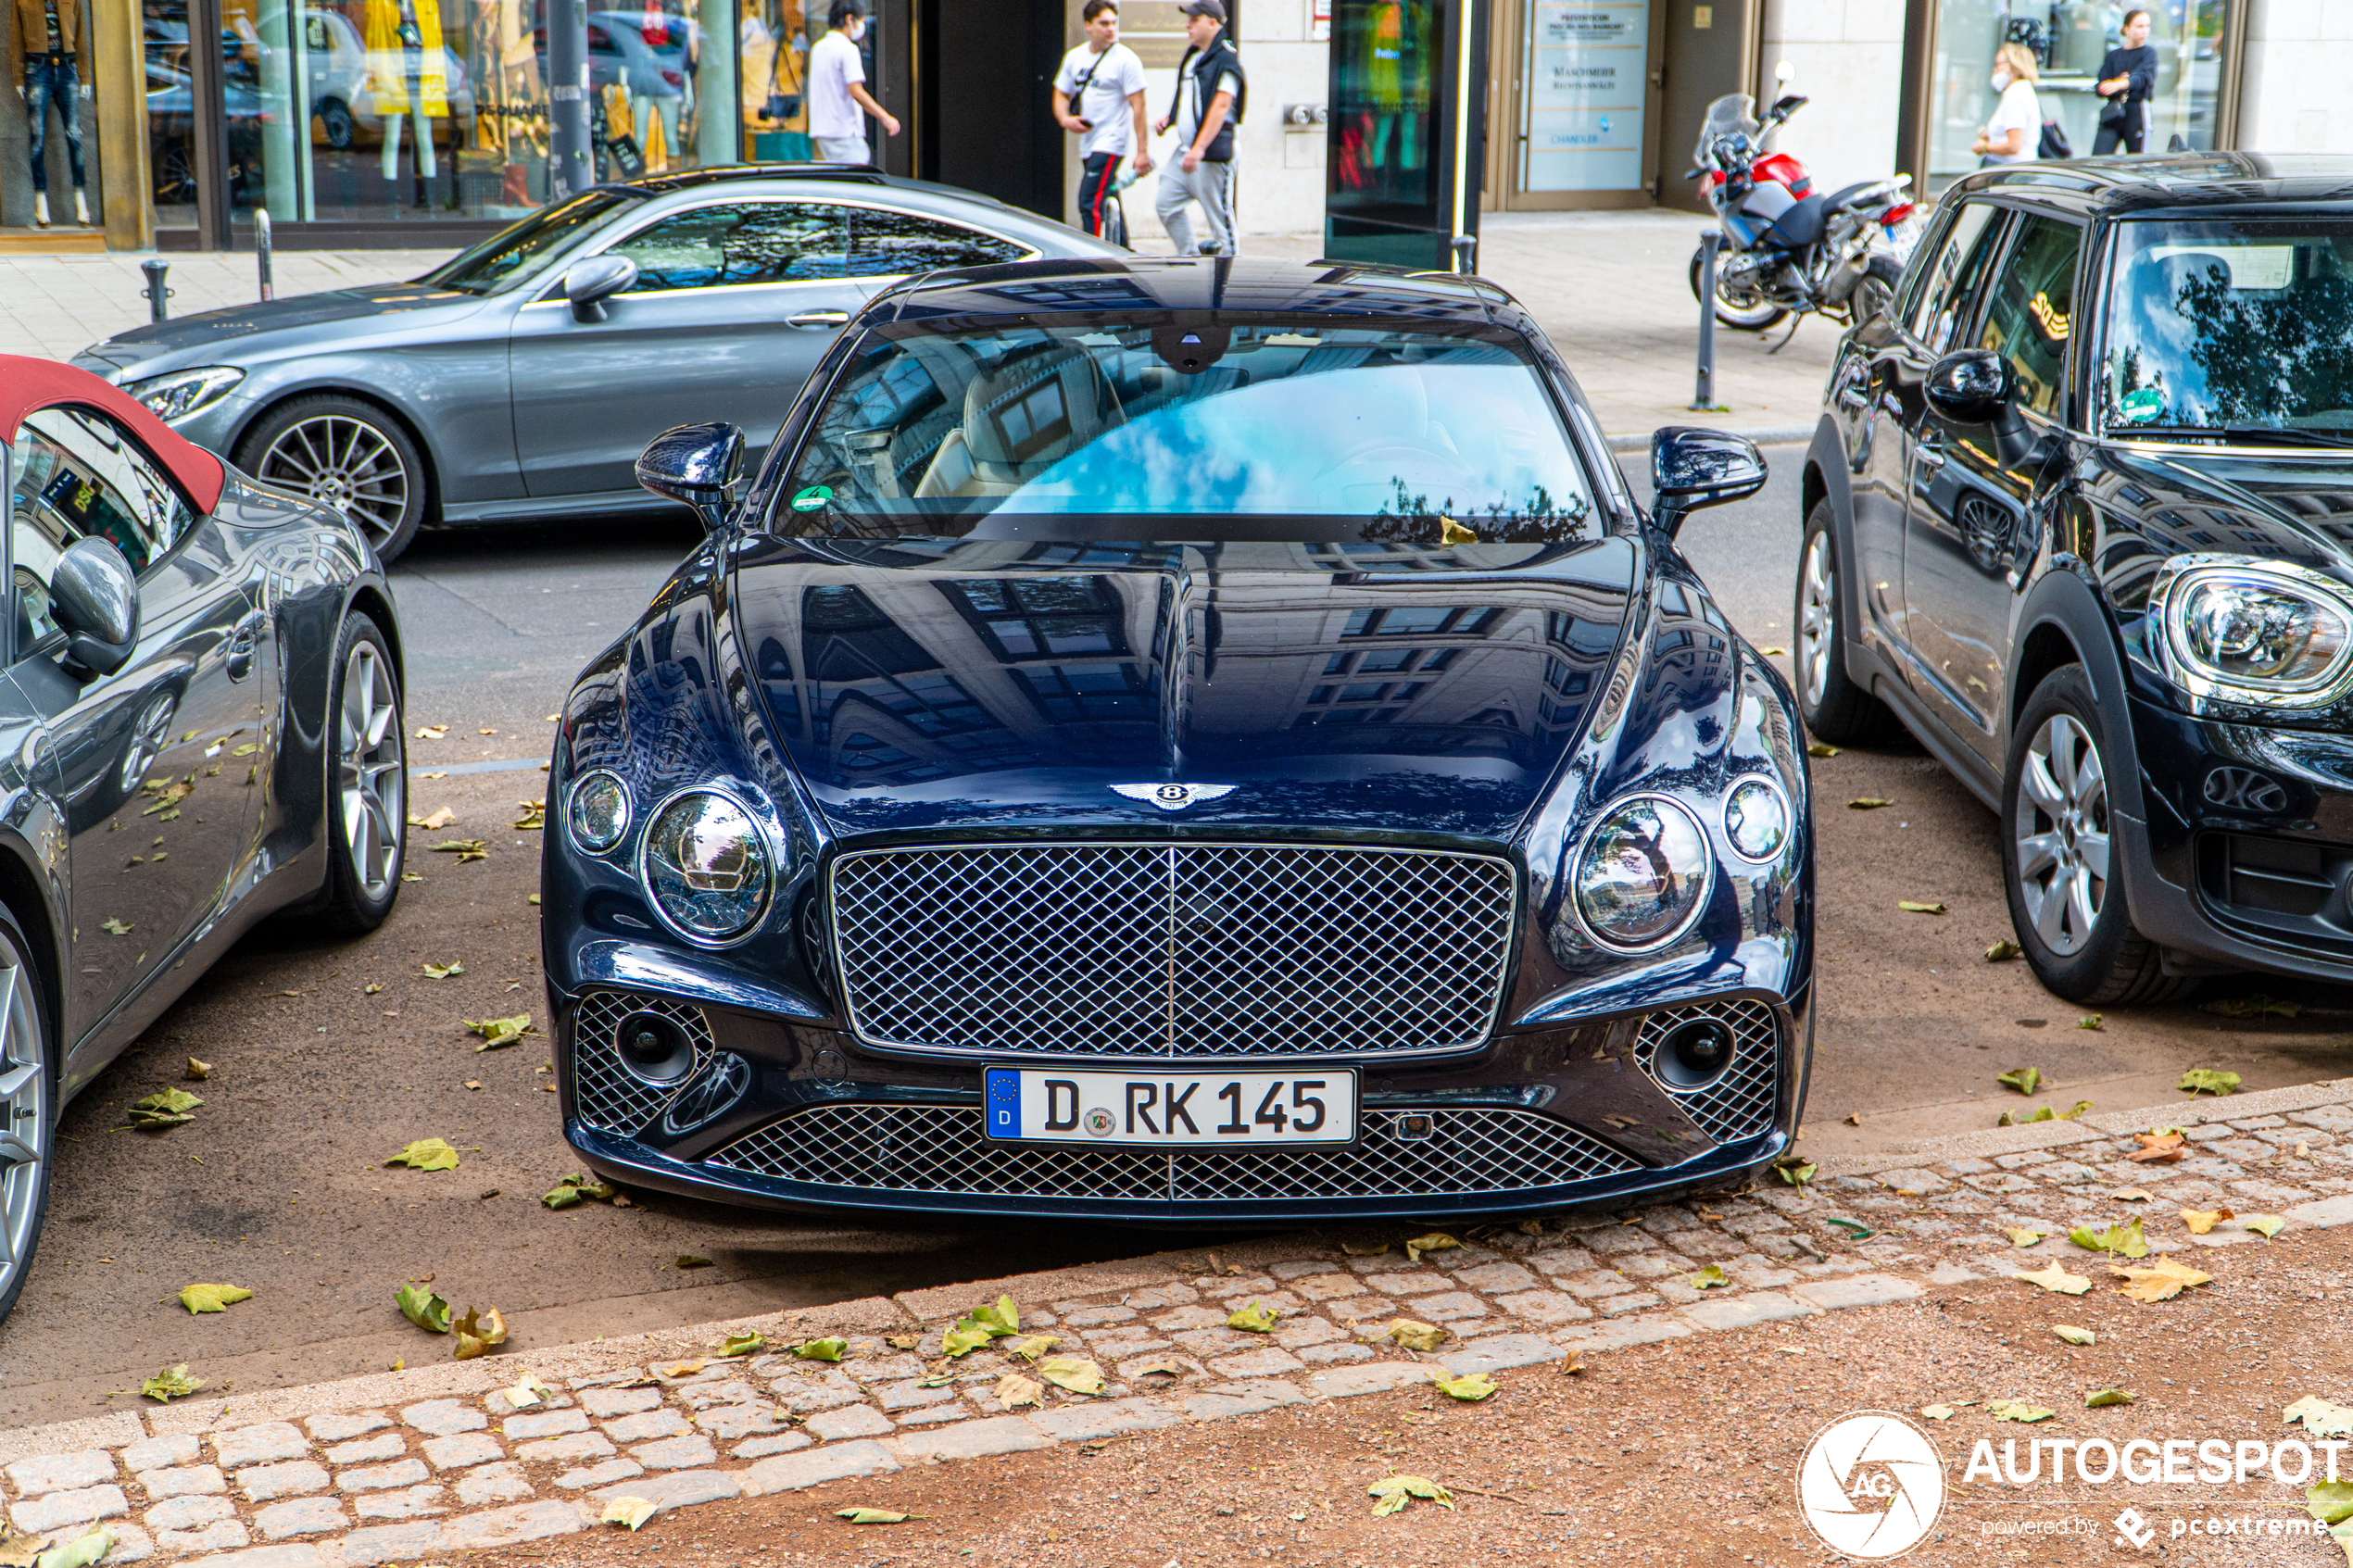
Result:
[{"x": 1611, "y": 288}]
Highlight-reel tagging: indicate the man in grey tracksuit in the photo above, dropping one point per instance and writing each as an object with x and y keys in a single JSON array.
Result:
[{"x": 1210, "y": 90}]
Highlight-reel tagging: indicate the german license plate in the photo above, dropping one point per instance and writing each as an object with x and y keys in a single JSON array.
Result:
[{"x": 1173, "y": 1109}]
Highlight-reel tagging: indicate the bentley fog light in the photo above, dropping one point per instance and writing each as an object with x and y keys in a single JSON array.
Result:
[
  {"x": 2260, "y": 633},
  {"x": 1695, "y": 1054},
  {"x": 707, "y": 867},
  {"x": 1756, "y": 820},
  {"x": 1642, "y": 873},
  {"x": 654, "y": 1048},
  {"x": 183, "y": 393},
  {"x": 600, "y": 813}
]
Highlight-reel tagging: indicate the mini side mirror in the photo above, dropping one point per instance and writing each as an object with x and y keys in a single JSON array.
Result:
[
  {"x": 1971, "y": 386},
  {"x": 1690, "y": 468},
  {"x": 589, "y": 283},
  {"x": 94, "y": 598},
  {"x": 697, "y": 465}
]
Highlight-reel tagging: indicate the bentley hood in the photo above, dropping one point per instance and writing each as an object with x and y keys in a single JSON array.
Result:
[{"x": 977, "y": 686}]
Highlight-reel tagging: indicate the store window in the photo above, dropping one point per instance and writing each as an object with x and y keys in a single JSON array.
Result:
[
  {"x": 2068, "y": 39},
  {"x": 773, "y": 38},
  {"x": 362, "y": 111}
]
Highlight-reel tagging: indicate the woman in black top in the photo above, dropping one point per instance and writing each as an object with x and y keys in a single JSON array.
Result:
[{"x": 2128, "y": 76}]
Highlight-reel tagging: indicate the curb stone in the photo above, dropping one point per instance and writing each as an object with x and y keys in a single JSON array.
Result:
[{"x": 393, "y": 1467}]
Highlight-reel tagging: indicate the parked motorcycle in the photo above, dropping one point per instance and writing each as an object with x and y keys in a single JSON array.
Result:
[{"x": 1788, "y": 250}]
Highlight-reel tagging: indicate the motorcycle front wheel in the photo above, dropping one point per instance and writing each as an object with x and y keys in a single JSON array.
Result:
[{"x": 1747, "y": 314}]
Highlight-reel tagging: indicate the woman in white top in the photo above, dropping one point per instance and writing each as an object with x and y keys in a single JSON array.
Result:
[{"x": 2015, "y": 132}]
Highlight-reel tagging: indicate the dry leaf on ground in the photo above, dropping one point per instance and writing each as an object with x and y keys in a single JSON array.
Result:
[
  {"x": 632, "y": 1512},
  {"x": 1394, "y": 1491},
  {"x": 2159, "y": 1149},
  {"x": 1867, "y": 803},
  {"x": 875, "y": 1515},
  {"x": 2320, "y": 1418},
  {"x": 2265, "y": 1226},
  {"x": 1470, "y": 1389},
  {"x": 2055, "y": 1278},
  {"x": 420, "y": 1306},
  {"x": 2025, "y": 1080},
  {"x": 1013, "y": 1390},
  {"x": 1436, "y": 1241},
  {"x": 2160, "y": 1282},
  {"x": 2107, "y": 1396},
  {"x": 1415, "y": 1334},
  {"x": 1709, "y": 1278},
  {"x": 478, "y": 1331},
  {"x": 1029, "y": 1346},
  {"x": 2021, "y": 1235},
  {"x": 2201, "y": 1221},
  {"x": 443, "y": 970},
  {"x": 1074, "y": 1373},
  {"x": 1253, "y": 1319},
  {"x": 427, "y": 1154},
  {"x": 439, "y": 819},
  {"x": 831, "y": 1348},
  {"x": 171, "y": 1383},
  {"x": 197, "y": 1072},
  {"x": 2002, "y": 951},
  {"x": 2208, "y": 1081},
  {"x": 213, "y": 1297},
  {"x": 2017, "y": 1410},
  {"x": 2073, "y": 1335}
]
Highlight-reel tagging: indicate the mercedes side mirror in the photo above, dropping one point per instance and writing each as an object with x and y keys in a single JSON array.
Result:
[
  {"x": 697, "y": 465},
  {"x": 1690, "y": 468},
  {"x": 94, "y": 598},
  {"x": 589, "y": 283}
]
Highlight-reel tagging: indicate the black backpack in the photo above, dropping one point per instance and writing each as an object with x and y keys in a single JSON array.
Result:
[{"x": 2053, "y": 143}]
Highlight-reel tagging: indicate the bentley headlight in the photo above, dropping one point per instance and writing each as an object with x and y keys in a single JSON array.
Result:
[
  {"x": 1643, "y": 873},
  {"x": 707, "y": 867},
  {"x": 183, "y": 393},
  {"x": 599, "y": 811},
  {"x": 2260, "y": 633},
  {"x": 1756, "y": 820}
]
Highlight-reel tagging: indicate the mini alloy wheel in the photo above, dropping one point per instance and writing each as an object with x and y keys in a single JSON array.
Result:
[
  {"x": 1817, "y": 619},
  {"x": 2062, "y": 835}
]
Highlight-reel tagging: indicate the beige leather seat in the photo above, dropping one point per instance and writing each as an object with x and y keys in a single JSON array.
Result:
[{"x": 1020, "y": 419}]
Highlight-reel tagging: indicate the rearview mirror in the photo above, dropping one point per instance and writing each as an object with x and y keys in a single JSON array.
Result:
[
  {"x": 590, "y": 283},
  {"x": 1690, "y": 468},
  {"x": 94, "y": 598},
  {"x": 1970, "y": 387},
  {"x": 697, "y": 465}
]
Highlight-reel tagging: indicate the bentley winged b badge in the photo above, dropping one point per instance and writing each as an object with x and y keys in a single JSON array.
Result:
[{"x": 1174, "y": 797}]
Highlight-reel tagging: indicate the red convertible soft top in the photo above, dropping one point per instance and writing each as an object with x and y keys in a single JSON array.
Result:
[{"x": 27, "y": 385}]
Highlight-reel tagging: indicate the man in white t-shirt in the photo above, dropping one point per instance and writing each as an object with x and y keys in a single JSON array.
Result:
[
  {"x": 1210, "y": 91},
  {"x": 1098, "y": 96},
  {"x": 838, "y": 101}
]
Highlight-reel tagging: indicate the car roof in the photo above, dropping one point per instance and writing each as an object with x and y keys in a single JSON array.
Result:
[
  {"x": 29, "y": 385},
  {"x": 1132, "y": 283},
  {"x": 853, "y": 180},
  {"x": 2182, "y": 182}
]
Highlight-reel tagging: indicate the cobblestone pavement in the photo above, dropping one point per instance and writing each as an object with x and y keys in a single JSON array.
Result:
[{"x": 443, "y": 1457}]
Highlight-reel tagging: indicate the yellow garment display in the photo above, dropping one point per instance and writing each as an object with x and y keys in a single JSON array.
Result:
[{"x": 388, "y": 78}]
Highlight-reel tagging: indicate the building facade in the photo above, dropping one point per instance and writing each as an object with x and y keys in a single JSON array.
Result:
[{"x": 424, "y": 123}]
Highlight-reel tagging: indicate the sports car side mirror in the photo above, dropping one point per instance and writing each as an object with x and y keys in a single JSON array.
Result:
[
  {"x": 590, "y": 283},
  {"x": 94, "y": 598},
  {"x": 1690, "y": 468},
  {"x": 696, "y": 464}
]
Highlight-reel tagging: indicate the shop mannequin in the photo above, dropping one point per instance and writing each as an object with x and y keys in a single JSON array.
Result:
[
  {"x": 404, "y": 64},
  {"x": 57, "y": 72}
]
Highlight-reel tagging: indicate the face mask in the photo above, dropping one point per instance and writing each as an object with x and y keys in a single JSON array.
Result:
[{"x": 2001, "y": 79}]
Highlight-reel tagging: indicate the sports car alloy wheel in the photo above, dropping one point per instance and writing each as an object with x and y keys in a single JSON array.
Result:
[
  {"x": 1818, "y": 619},
  {"x": 344, "y": 463},
  {"x": 369, "y": 769},
  {"x": 24, "y": 1119},
  {"x": 2063, "y": 834}
]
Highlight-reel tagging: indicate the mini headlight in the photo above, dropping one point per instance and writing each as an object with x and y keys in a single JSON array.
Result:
[
  {"x": 707, "y": 867},
  {"x": 2260, "y": 633},
  {"x": 1756, "y": 820},
  {"x": 1642, "y": 873},
  {"x": 183, "y": 393},
  {"x": 600, "y": 813}
]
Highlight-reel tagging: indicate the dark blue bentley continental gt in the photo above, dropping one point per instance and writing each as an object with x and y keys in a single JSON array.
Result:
[{"x": 1187, "y": 740}]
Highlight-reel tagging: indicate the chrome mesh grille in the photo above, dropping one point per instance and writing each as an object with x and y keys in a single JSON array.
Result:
[
  {"x": 933, "y": 1149},
  {"x": 1172, "y": 949},
  {"x": 607, "y": 1095},
  {"x": 1738, "y": 1104}
]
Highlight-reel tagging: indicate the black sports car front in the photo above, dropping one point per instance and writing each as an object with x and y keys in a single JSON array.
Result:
[{"x": 1187, "y": 741}]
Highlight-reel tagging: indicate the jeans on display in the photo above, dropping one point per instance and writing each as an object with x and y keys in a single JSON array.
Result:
[{"x": 51, "y": 80}]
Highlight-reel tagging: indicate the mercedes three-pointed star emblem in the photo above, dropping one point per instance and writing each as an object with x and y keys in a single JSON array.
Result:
[{"x": 1174, "y": 797}]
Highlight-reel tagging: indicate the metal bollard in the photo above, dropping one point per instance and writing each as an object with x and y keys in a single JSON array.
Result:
[
  {"x": 261, "y": 249},
  {"x": 1465, "y": 247},
  {"x": 157, "y": 294},
  {"x": 1703, "y": 394}
]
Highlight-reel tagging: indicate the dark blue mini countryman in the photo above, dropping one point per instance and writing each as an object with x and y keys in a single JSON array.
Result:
[{"x": 1191, "y": 741}]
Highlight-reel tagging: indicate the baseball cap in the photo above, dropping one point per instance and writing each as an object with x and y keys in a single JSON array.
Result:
[{"x": 1214, "y": 10}]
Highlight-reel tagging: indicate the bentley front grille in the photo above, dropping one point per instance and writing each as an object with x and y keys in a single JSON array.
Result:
[
  {"x": 935, "y": 1148},
  {"x": 607, "y": 1095},
  {"x": 1173, "y": 949},
  {"x": 1738, "y": 1103}
]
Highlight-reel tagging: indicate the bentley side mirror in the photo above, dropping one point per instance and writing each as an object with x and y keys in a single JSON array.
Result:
[
  {"x": 589, "y": 283},
  {"x": 697, "y": 465},
  {"x": 1690, "y": 468},
  {"x": 94, "y": 598}
]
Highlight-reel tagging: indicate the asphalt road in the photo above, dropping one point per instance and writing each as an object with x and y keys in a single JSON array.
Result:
[{"x": 279, "y": 1184}]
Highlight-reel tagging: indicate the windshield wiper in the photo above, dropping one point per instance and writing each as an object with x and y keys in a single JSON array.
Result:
[{"x": 2278, "y": 435}]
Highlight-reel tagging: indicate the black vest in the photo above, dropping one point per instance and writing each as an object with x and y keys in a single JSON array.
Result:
[{"x": 1207, "y": 66}]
